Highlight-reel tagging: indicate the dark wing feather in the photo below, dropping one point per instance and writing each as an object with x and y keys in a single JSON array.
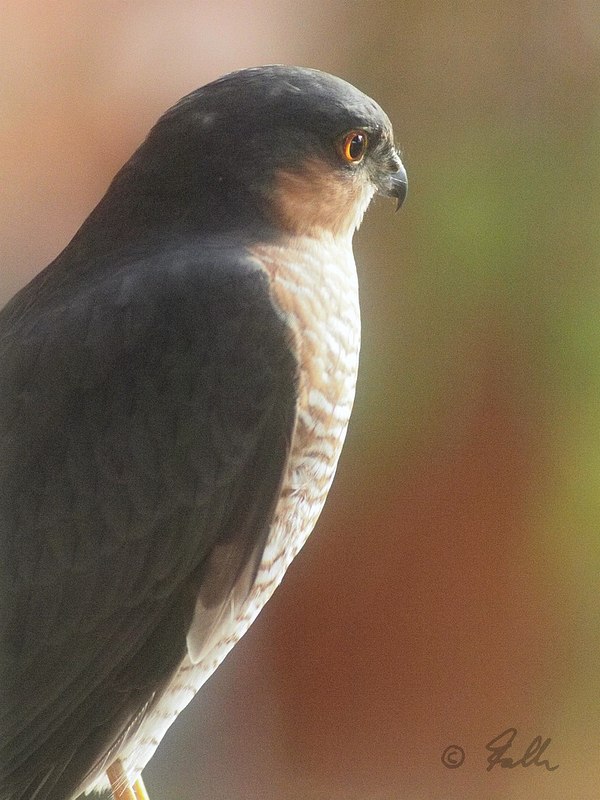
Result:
[{"x": 145, "y": 419}]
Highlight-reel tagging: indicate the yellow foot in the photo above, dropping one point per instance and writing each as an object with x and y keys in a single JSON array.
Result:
[
  {"x": 120, "y": 785},
  {"x": 139, "y": 790}
]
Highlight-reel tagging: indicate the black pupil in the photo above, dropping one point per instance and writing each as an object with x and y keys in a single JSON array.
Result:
[{"x": 357, "y": 145}]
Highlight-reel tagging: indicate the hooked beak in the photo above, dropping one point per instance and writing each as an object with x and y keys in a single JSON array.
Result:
[{"x": 395, "y": 182}]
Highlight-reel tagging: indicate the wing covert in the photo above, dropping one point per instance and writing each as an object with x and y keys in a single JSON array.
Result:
[{"x": 145, "y": 422}]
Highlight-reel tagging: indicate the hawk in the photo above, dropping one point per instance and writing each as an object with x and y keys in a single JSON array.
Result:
[{"x": 175, "y": 389}]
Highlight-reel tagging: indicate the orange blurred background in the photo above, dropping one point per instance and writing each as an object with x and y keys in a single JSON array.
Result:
[{"x": 451, "y": 589}]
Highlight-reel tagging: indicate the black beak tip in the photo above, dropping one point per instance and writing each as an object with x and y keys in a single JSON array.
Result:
[
  {"x": 399, "y": 186},
  {"x": 394, "y": 182}
]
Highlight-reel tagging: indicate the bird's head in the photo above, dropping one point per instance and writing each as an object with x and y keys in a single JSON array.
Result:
[{"x": 267, "y": 149}]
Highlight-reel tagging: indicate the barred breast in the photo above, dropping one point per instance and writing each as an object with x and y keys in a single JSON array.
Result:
[{"x": 313, "y": 281}]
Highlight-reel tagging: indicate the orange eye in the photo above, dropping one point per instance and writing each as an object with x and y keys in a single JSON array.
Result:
[{"x": 354, "y": 146}]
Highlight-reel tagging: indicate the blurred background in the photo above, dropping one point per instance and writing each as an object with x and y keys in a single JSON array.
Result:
[{"x": 451, "y": 589}]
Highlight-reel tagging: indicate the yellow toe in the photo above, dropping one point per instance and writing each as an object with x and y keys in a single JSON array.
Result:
[{"x": 139, "y": 790}]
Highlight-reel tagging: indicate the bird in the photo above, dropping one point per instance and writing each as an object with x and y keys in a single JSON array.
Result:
[{"x": 175, "y": 389}]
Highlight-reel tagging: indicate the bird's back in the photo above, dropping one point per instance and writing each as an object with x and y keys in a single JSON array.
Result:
[{"x": 135, "y": 413}]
